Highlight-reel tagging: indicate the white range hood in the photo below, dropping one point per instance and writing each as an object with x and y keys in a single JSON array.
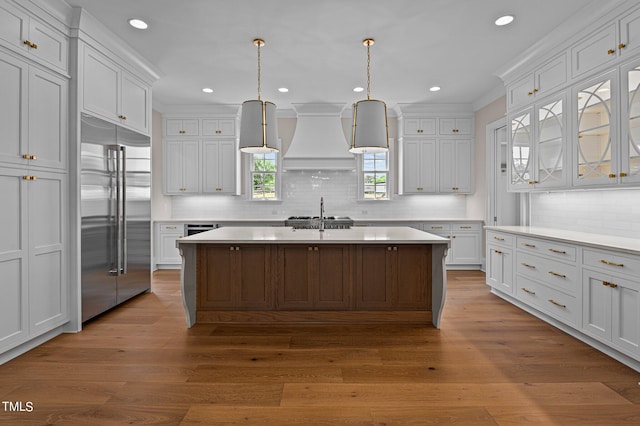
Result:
[{"x": 318, "y": 141}]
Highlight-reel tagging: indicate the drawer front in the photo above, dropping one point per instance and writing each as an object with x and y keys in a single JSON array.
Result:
[
  {"x": 471, "y": 226},
  {"x": 173, "y": 228},
  {"x": 611, "y": 261},
  {"x": 555, "y": 303},
  {"x": 557, "y": 275},
  {"x": 547, "y": 248},
  {"x": 437, "y": 227},
  {"x": 506, "y": 240}
]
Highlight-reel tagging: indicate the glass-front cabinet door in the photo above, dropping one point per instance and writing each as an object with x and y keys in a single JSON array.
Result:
[
  {"x": 521, "y": 171},
  {"x": 550, "y": 144},
  {"x": 596, "y": 148},
  {"x": 630, "y": 135}
]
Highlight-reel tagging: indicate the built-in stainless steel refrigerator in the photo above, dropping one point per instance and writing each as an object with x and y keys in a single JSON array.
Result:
[{"x": 116, "y": 215}]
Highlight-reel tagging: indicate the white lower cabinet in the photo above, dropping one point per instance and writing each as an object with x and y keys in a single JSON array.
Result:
[
  {"x": 166, "y": 253},
  {"x": 466, "y": 241},
  {"x": 611, "y": 310},
  {"x": 33, "y": 255},
  {"x": 594, "y": 292},
  {"x": 500, "y": 268}
]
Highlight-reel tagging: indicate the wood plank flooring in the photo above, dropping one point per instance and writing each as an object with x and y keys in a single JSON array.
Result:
[{"x": 490, "y": 364}]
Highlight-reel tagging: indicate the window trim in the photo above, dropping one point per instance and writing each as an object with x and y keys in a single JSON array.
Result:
[
  {"x": 391, "y": 167},
  {"x": 249, "y": 180}
]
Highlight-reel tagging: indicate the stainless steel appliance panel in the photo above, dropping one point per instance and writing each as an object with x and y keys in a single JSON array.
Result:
[{"x": 116, "y": 215}]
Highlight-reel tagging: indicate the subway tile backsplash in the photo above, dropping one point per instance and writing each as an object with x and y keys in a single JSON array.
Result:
[
  {"x": 610, "y": 212},
  {"x": 301, "y": 192}
]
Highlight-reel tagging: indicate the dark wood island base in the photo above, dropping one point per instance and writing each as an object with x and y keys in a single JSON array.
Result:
[{"x": 313, "y": 282}]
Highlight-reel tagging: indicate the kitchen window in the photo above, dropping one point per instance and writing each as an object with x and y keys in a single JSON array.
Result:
[
  {"x": 264, "y": 176},
  {"x": 375, "y": 176}
]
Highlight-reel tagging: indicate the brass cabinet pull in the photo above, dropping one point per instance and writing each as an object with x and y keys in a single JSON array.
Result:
[
  {"x": 497, "y": 251},
  {"x": 436, "y": 227},
  {"x": 527, "y": 291},
  {"x": 608, "y": 284},
  {"x": 529, "y": 245},
  {"x": 465, "y": 227},
  {"x": 611, "y": 51},
  {"x": 29, "y": 177},
  {"x": 557, "y": 274},
  {"x": 535, "y": 90},
  {"x": 557, "y": 251},
  {"x": 29, "y": 157},
  {"x": 237, "y": 248},
  {"x": 419, "y": 189},
  {"x": 122, "y": 117},
  {"x": 622, "y": 46},
  {"x": 309, "y": 248},
  {"x": 172, "y": 227},
  {"x": 498, "y": 238},
  {"x": 606, "y": 262},
  {"x": 183, "y": 189},
  {"x": 557, "y": 304},
  {"x": 388, "y": 248},
  {"x": 529, "y": 93},
  {"x": 623, "y": 174},
  {"x": 218, "y": 189},
  {"x": 230, "y": 248},
  {"x": 527, "y": 265},
  {"x": 31, "y": 45},
  {"x": 612, "y": 175},
  {"x": 394, "y": 249}
]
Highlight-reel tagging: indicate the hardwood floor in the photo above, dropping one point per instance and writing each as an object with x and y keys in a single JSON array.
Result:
[{"x": 491, "y": 363}]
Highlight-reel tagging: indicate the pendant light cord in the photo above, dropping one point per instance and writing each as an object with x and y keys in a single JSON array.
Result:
[
  {"x": 368, "y": 71},
  {"x": 259, "y": 44}
]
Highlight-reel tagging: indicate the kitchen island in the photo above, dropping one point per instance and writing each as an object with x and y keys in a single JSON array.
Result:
[{"x": 285, "y": 275}]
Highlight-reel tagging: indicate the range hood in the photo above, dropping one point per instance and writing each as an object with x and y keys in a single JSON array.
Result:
[{"x": 318, "y": 141}]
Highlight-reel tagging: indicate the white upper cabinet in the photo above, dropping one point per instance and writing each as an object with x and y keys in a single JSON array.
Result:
[
  {"x": 596, "y": 140},
  {"x": 629, "y": 34},
  {"x": 112, "y": 93},
  {"x": 221, "y": 127},
  {"x": 33, "y": 38},
  {"x": 538, "y": 145},
  {"x": 33, "y": 115},
  {"x": 542, "y": 81},
  {"x": 181, "y": 127},
  {"x": 420, "y": 126},
  {"x": 181, "y": 173},
  {"x": 455, "y": 126},
  {"x": 455, "y": 166},
  {"x": 419, "y": 166},
  {"x": 595, "y": 50},
  {"x": 219, "y": 167},
  {"x": 630, "y": 123}
]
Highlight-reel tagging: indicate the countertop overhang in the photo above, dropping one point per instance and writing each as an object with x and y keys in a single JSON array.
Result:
[{"x": 288, "y": 235}]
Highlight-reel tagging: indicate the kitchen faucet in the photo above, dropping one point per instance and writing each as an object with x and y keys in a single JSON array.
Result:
[{"x": 321, "y": 227}]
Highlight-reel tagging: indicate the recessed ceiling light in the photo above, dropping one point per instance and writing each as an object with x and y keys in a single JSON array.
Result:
[
  {"x": 434, "y": 88},
  {"x": 138, "y": 23},
  {"x": 283, "y": 90},
  {"x": 358, "y": 89},
  {"x": 504, "y": 20},
  {"x": 207, "y": 90}
]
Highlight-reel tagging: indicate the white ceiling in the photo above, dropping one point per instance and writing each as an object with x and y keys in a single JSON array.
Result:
[{"x": 315, "y": 49}]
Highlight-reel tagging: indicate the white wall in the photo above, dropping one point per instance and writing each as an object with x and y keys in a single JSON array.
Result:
[{"x": 610, "y": 212}]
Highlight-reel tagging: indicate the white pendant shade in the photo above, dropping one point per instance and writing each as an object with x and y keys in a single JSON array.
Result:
[
  {"x": 258, "y": 127},
  {"x": 370, "y": 132}
]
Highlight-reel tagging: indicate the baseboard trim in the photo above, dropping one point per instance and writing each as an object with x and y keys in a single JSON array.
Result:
[{"x": 30, "y": 344}]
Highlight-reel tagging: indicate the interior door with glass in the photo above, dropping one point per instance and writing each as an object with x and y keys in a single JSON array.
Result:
[
  {"x": 596, "y": 149},
  {"x": 630, "y": 132}
]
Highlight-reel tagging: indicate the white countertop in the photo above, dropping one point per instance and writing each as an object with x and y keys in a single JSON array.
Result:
[
  {"x": 630, "y": 245},
  {"x": 360, "y": 219},
  {"x": 281, "y": 234}
]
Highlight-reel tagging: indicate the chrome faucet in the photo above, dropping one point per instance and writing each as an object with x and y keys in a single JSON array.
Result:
[{"x": 321, "y": 227}]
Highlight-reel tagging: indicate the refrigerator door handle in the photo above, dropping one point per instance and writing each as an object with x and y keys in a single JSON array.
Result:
[
  {"x": 123, "y": 241},
  {"x": 118, "y": 215}
]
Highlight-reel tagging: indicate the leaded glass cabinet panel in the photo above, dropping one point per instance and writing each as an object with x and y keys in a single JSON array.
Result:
[{"x": 521, "y": 151}]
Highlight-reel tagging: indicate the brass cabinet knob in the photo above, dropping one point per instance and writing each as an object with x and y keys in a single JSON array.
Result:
[
  {"x": 611, "y": 51},
  {"x": 622, "y": 46},
  {"x": 31, "y": 45},
  {"x": 218, "y": 189},
  {"x": 122, "y": 117},
  {"x": 497, "y": 251},
  {"x": 623, "y": 175},
  {"x": 535, "y": 90},
  {"x": 529, "y": 93},
  {"x": 612, "y": 175}
]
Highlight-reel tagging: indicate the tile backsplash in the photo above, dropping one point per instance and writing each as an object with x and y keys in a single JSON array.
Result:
[
  {"x": 610, "y": 212},
  {"x": 301, "y": 192}
]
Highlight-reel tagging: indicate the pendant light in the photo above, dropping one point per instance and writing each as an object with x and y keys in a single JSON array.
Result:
[
  {"x": 370, "y": 132},
  {"x": 258, "y": 127}
]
